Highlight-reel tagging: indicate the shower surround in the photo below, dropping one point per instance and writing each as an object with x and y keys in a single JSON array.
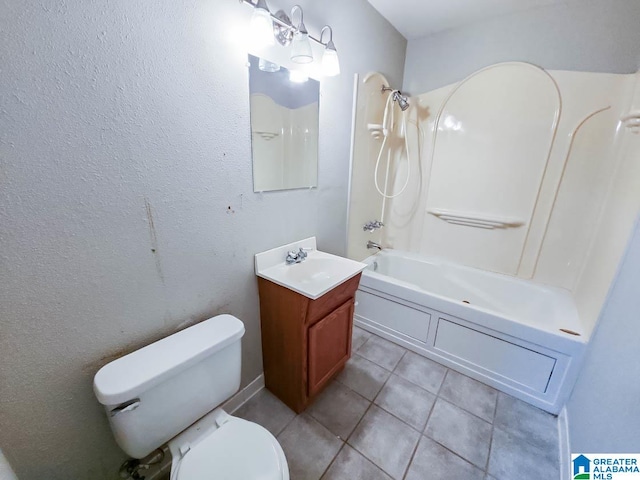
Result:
[{"x": 525, "y": 173}]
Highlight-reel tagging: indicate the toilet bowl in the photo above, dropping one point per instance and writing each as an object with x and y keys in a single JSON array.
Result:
[
  {"x": 170, "y": 392},
  {"x": 237, "y": 449}
]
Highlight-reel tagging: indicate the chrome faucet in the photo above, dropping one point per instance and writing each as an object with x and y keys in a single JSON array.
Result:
[
  {"x": 296, "y": 257},
  {"x": 372, "y": 225},
  {"x": 371, "y": 244}
]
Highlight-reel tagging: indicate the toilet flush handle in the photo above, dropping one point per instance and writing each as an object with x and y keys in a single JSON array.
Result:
[{"x": 125, "y": 407}]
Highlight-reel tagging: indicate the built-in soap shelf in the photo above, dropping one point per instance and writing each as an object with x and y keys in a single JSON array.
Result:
[
  {"x": 632, "y": 121},
  {"x": 376, "y": 130},
  {"x": 267, "y": 135},
  {"x": 476, "y": 220}
]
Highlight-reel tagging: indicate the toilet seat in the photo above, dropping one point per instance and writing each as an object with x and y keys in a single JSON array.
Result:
[{"x": 237, "y": 450}]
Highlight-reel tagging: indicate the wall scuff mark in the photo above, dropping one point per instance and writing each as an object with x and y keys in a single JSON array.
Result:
[{"x": 154, "y": 238}]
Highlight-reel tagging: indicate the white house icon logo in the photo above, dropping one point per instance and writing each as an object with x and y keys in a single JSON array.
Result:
[{"x": 581, "y": 468}]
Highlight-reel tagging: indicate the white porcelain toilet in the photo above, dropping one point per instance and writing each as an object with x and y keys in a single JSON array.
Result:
[{"x": 170, "y": 392}]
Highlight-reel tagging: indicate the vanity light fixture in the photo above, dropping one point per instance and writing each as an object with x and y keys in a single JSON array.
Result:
[
  {"x": 282, "y": 29},
  {"x": 261, "y": 24},
  {"x": 330, "y": 61}
]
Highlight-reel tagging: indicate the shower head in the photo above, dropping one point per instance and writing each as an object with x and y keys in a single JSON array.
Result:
[{"x": 403, "y": 102}]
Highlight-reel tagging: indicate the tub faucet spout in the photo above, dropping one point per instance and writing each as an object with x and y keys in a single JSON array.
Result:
[{"x": 371, "y": 244}]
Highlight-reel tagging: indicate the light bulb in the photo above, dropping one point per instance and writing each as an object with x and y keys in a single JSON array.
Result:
[
  {"x": 261, "y": 26},
  {"x": 298, "y": 76},
  {"x": 330, "y": 61}
]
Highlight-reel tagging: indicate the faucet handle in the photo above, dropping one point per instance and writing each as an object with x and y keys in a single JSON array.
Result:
[{"x": 372, "y": 225}]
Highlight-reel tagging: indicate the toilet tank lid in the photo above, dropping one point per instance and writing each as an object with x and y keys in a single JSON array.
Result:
[{"x": 127, "y": 377}]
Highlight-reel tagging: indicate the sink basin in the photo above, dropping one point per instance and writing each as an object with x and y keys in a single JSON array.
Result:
[
  {"x": 313, "y": 277},
  {"x": 315, "y": 268}
]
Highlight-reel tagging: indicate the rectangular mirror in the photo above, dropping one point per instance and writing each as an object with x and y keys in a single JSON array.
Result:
[{"x": 284, "y": 127}]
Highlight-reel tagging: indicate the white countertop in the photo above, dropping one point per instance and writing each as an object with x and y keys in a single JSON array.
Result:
[{"x": 313, "y": 277}]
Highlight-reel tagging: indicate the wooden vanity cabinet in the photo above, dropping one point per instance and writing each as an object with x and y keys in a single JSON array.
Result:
[{"x": 305, "y": 342}]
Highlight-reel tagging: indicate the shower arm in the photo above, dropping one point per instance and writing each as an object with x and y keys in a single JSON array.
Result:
[
  {"x": 389, "y": 89},
  {"x": 397, "y": 97}
]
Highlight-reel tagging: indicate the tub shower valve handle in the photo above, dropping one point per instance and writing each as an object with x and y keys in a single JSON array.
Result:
[{"x": 372, "y": 225}]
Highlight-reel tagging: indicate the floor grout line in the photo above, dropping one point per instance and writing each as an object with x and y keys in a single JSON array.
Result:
[
  {"x": 333, "y": 460},
  {"x": 444, "y": 379},
  {"x": 288, "y": 423},
  {"x": 372, "y": 462},
  {"x": 453, "y": 452},
  {"x": 493, "y": 428},
  {"x": 463, "y": 408},
  {"x": 400, "y": 361},
  {"x": 415, "y": 449},
  {"x": 430, "y": 412},
  {"x": 486, "y": 466},
  {"x": 362, "y": 345}
]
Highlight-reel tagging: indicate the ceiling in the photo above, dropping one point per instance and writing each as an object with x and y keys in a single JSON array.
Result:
[{"x": 419, "y": 18}]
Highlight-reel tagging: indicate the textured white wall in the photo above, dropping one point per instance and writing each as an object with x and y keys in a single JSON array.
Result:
[
  {"x": 582, "y": 35},
  {"x": 603, "y": 411},
  {"x": 126, "y": 204}
]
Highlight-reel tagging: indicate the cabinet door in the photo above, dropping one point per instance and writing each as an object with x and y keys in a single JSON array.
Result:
[{"x": 329, "y": 345}]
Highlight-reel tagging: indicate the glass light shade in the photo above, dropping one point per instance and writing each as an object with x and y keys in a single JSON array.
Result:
[
  {"x": 301, "y": 48},
  {"x": 330, "y": 63},
  {"x": 261, "y": 28},
  {"x": 298, "y": 76}
]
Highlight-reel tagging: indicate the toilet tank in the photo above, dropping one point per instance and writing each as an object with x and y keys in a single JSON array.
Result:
[{"x": 154, "y": 393}]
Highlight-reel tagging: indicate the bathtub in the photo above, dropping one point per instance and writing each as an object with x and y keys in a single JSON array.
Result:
[{"x": 518, "y": 336}]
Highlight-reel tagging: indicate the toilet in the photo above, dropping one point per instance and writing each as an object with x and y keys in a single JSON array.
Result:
[{"x": 170, "y": 392}]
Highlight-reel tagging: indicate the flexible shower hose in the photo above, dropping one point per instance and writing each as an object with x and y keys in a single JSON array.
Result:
[{"x": 386, "y": 129}]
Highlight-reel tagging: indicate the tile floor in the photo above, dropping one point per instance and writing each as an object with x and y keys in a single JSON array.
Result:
[{"x": 393, "y": 414}]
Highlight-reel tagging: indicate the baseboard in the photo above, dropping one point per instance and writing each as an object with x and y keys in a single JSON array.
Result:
[
  {"x": 243, "y": 396},
  {"x": 564, "y": 443}
]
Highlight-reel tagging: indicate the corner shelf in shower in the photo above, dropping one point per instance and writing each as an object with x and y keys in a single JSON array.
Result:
[
  {"x": 476, "y": 220},
  {"x": 632, "y": 121},
  {"x": 267, "y": 135},
  {"x": 376, "y": 130}
]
